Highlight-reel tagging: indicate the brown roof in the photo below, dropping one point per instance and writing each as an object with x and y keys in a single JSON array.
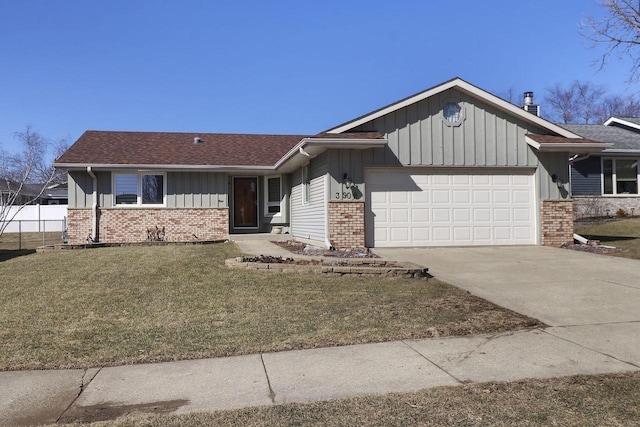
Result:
[
  {"x": 169, "y": 148},
  {"x": 551, "y": 139},
  {"x": 166, "y": 148}
]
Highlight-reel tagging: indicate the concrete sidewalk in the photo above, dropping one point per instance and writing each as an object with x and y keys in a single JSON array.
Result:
[
  {"x": 292, "y": 376},
  {"x": 592, "y": 303}
]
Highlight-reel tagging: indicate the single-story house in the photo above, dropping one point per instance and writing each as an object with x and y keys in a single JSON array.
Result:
[
  {"x": 452, "y": 165},
  {"x": 606, "y": 182}
]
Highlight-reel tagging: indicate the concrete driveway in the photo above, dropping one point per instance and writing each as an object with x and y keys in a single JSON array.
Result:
[{"x": 588, "y": 299}]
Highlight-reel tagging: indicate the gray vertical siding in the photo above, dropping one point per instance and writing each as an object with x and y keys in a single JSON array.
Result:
[
  {"x": 80, "y": 190},
  {"x": 586, "y": 178},
  {"x": 309, "y": 220},
  {"x": 418, "y": 136},
  {"x": 184, "y": 189},
  {"x": 552, "y": 164},
  {"x": 196, "y": 190}
]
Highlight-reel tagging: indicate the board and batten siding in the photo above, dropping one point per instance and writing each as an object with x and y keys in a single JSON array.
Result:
[
  {"x": 487, "y": 137},
  {"x": 184, "y": 189},
  {"x": 418, "y": 135},
  {"x": 309, "y": 220},
  {"x": 586, "y": 178}
]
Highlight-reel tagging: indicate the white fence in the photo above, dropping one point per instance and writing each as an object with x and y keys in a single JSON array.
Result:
[{"x": 38, "y": 218}]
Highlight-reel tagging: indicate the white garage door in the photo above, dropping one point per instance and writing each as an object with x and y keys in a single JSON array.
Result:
[{"x": 449, "y": 208}]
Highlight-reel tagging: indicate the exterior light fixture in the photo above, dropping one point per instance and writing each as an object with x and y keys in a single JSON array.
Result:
[
  {"x": 559, "y": 182},
  {"x": 346, "y": 180}
]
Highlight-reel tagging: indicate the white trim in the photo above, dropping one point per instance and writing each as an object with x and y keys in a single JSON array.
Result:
[
  {"x": 464, "y": 87},
  {"x": 581, "y": 147},
  {"x": 622, "y": 122},
  {"x": 614, "y": 180},
  {"x": 268, "y": 203},
  {"x": 138, "y": 175},
  {"x": 306, "y": 184}
]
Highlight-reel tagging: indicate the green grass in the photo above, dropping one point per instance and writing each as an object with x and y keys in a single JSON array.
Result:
[
  {"x": 623, "y": 234},
  {"x": 123, "y": 305},
  {"x": 597, "y": 400}
]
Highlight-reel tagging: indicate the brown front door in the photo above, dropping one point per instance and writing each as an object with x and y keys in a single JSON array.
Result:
[{"x": 245, "y": 202}]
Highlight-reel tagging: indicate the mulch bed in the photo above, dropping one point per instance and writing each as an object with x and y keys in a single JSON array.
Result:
[{"x": 301, "y": 248}]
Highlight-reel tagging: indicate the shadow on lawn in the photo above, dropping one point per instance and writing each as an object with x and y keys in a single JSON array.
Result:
[{"x": 6, "y": 254}]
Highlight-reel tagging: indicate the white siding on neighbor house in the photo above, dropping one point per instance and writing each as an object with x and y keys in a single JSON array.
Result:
[{"x": 308, "y": 221}]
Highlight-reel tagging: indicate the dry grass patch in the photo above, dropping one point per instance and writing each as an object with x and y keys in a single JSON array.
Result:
[
  {"x": 112, "y": 306},
  {"x": 623, "y": 234},
  {"x": 598, "y": 400}
]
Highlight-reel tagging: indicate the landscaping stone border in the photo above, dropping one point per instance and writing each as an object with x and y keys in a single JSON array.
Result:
[{"x": 360, "y": 267}]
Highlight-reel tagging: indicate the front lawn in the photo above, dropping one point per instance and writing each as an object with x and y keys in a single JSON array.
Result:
[
  {"x": 623, "y": 234},
  {"x": 122, "y": 305}
]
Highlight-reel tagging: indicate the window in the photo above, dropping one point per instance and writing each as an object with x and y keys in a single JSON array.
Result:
[
  {"x": 139, "y": 189},
  {"x": 273, "y": 195},
  {"x": 306, "y": 184},
  {"x": 619, "y": 176},
  {"x": 452, "y": 113}
]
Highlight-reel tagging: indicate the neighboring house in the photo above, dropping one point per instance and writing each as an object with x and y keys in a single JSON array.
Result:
[
  {"x": 606, "y": 183},
  {"x": 32, "y": 194},
  {"x": 452, "y": 165}
]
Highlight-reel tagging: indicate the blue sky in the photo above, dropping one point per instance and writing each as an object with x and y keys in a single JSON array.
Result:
[{"x": 296, "y": 67}]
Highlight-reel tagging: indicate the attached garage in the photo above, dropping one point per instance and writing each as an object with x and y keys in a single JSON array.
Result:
[{"x": 450, "y": 207}]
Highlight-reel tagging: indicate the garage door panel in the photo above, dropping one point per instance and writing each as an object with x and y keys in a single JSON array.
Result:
[
  {"x": 420, "y": 215},
  {"x": 418, "y": 208},
  {"x": 399, "y": 215},
  {"x": 399, "y": 234}
]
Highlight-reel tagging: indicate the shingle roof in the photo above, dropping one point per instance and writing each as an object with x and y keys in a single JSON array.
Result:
[
  {"x": 167, "y": 148},
  {"x": 621, "y": 138},
  {"x": 179, "y": 149}
]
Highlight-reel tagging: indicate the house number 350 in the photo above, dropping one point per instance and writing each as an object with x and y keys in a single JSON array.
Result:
[{"x": 344, "y": 195}]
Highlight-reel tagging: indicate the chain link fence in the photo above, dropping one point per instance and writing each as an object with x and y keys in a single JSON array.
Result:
[{"x": 31, "y": 234}]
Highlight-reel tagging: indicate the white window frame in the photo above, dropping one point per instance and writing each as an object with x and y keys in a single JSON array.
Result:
[
  {"x": 614, "y": 178},
  {"x": 306, "y": 184},
  {"x": 139, "y": 176},
  {"x": 267, "y": 203}
]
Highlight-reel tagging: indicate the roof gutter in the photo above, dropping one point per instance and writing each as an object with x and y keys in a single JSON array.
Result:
[
  {"x": 576, "y": 147},
  {"x": 94, "y": 206}
]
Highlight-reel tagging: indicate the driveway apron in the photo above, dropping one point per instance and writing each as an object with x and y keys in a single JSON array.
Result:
[{"x": 588, "y": 299}]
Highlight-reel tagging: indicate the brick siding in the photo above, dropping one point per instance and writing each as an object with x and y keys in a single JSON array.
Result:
[
  {"x": 557, "y": 222},
  {"x": 346, "y": 224},
  {"x": 130, "y": 225}
]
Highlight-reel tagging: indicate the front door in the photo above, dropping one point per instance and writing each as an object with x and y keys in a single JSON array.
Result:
[{"x": 245, "y": 202}]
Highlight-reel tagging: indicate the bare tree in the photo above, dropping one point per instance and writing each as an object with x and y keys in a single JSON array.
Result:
[
  {"x": 576, "y": 103},
  {"x": 618, "y": 32},
  {"x": 28, "y": 169},
  {"x": 616, "y": 105},
  {"x": 511, "y": 95}
]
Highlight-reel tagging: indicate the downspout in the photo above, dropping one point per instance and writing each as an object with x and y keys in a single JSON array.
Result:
[
  {"x": 579, "y": 157},
  {"x": 94, "y": 205},
  {"x": 327, "y": 183}
]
